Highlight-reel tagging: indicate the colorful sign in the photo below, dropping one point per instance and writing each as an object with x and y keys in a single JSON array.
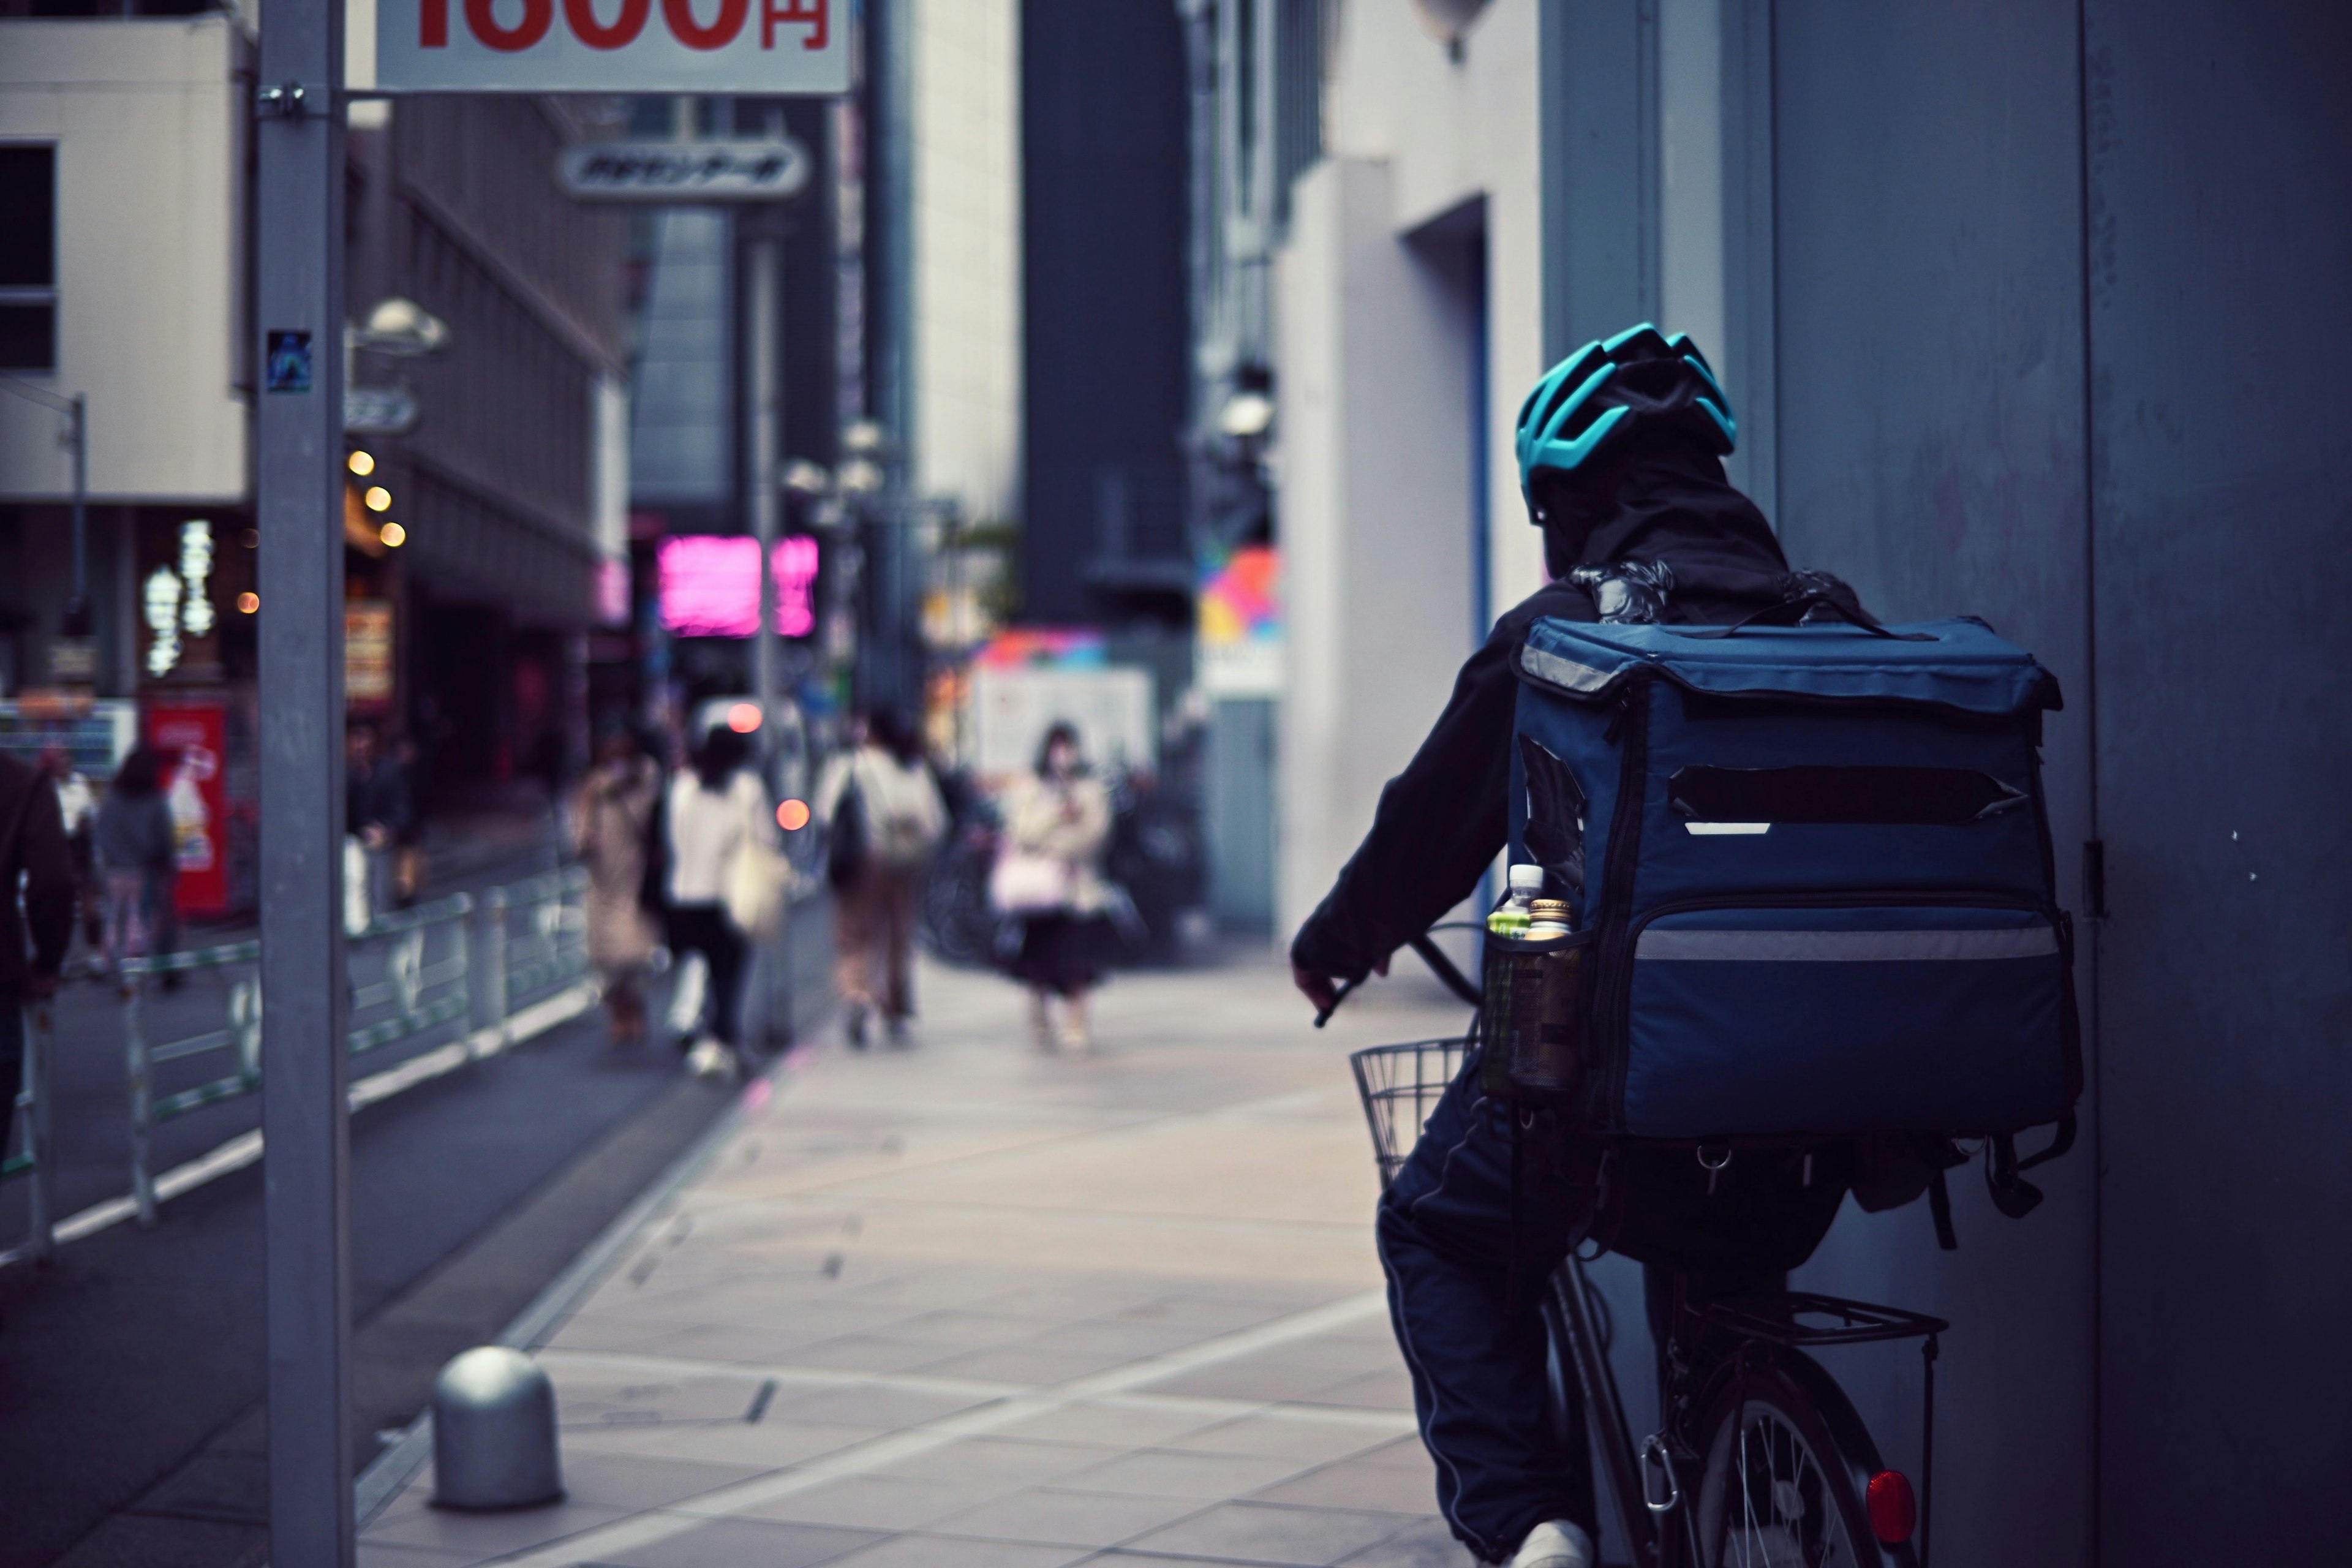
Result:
[
  {"x": 1240, "y": 624},
  {"x": 711, "y": 585},
  {"x": 769, "y": 48},
  {"x": 367, "y": 651},
  {"x": 1043, "y": 647},
  {"x": 195, "y": 736}
]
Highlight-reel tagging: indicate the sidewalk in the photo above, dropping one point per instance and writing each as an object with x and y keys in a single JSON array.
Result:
[{"x": 972, "y": 1306}]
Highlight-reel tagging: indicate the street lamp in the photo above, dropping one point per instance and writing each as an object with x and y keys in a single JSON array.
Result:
[{"x": 401, "y": 327}]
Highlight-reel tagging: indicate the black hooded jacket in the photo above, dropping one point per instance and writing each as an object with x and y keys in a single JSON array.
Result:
[{"x": 1442, "y": 820}]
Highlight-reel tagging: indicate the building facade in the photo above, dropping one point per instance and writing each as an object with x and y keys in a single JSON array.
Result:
[
  {"x": 1988, "y": 290},
  {"x": 485, "y": 429}
]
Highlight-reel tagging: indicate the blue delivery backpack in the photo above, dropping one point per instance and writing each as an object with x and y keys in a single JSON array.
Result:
[{"x": 1814, "y": 864}]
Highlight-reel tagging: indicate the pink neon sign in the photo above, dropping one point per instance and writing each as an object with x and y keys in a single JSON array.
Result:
[{"x": 710, "y": 585}]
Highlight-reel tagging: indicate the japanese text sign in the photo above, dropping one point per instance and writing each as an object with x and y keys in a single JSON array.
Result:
[{"x": 769, "y": 48}]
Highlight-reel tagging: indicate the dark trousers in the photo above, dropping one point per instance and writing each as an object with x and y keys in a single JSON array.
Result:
[
  {"x": 1489, "y": 1183},
  {"x": 1471, "y": 1332},
  {"x": 705, "y": 929}
]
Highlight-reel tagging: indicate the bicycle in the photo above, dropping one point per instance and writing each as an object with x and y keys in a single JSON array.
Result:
[{"x": 1785, "y": 1471}]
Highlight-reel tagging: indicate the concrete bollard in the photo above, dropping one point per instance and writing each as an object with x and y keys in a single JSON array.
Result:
[{"x": 494, "y": 1443}]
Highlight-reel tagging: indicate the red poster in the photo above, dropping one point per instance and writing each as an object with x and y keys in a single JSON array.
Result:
[{"x": 195, "y": 734}]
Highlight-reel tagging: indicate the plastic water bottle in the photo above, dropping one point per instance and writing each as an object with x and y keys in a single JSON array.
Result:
[{"x": 1525, "y": 884}]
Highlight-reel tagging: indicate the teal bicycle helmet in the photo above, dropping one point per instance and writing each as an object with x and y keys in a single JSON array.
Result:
[{"x": 1639, "y": 382}]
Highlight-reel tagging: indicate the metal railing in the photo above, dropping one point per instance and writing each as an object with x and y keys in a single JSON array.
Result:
[
  {"x": 37, "y": 1162},
  {"x": 462, "y": 965},
  {"x": 546, "y": 948}
]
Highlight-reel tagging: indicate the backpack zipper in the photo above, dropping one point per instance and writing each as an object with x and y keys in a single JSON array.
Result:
[{"x": 1617, "y": 881}]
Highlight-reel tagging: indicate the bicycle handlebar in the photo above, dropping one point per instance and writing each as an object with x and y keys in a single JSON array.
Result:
[{"x": 1439, "y": 965}]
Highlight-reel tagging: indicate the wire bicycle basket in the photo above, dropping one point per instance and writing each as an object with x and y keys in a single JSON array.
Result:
[{"x": 1400, "y": 1086}]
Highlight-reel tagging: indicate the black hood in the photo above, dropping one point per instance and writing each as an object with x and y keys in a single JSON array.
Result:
[{"x": 1669, "y": 504}]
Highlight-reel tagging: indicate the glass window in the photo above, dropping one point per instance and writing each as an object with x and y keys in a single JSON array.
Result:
[{"x": 28, "y": 256}]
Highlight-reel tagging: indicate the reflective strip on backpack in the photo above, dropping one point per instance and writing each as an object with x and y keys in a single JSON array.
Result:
[
  {"x": 1564, "y": 673},
  {"x": 1847, "y": 946}
]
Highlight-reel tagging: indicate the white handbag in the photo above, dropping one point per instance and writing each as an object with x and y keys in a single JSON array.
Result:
[
  {"x": 758, "y": 881},
  {"x": 1022, "y": 883}
]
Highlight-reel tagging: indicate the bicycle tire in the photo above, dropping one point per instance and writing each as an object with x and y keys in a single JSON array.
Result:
[{"x": 1787, "y": 1465}]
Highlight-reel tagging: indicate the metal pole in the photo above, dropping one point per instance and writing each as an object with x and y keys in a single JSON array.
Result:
[
  {"x": 763, "y": 260},
  {"x": 299, "y": 288},
  {"x": 141, "y": 1071},
  {"x": 40, "y": 1061},
  {"x": 494, "y": 960},
  {"x": 81, "y": 499}
]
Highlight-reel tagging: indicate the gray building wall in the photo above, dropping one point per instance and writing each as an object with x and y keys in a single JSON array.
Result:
[{"x": 2037, "y": 307}]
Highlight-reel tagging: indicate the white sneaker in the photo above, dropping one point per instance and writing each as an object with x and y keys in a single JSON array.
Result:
[
  {"x": 710, "y": 1059},
  {"x": 1556, "y": 1543}
]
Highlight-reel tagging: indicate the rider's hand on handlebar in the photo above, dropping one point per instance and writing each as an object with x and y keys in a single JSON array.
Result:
[{"x": 1322, "y": 989}]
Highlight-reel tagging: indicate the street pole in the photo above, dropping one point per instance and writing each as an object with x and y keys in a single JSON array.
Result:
[
  {"x": 81, "y": 498},
  {"x": 299, "y": 288},
  {"x": 764, "y": 261}
]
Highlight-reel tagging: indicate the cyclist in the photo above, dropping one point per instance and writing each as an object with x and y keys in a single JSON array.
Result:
[{"x": 1619, "y": 450}]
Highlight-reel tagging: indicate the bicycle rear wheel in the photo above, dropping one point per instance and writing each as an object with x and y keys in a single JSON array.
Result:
[{"x": 1787, "y": 1464}]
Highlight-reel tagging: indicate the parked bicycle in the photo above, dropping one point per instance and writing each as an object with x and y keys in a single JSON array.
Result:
[{"x": 1760, "y": 1458}]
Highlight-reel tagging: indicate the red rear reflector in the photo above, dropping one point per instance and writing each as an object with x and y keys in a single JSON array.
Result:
[{"x": 1893, "y": 1512}]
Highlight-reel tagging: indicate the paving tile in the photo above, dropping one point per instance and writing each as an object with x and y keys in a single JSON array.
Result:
[
  {"x": 1118, "y": 1425},
  {"x": 1055, "y": 1518},
  {"x": 780, "y": 1343},
  {"x": 1133, "y": 1337},
  {"x": 448, "y": 1529},
  {"x": 1390, "y": 1388},
  {"x": 766, "y": 1444},
  {"x": 1277, "y": 1435},
  {"x": 1027, "y": 1367},
  {"x": 1158, "y": 1472},
  {"x": 1256, "y": 1378},
  {"x": 643, "y": 1482},
  {"x": 1255, "y": 1532},
  {"x": 864, "y": 1352},
  {"x": 742, "y": 1543},
  {"x": 876, "y": 1502},
  {"x": 869, "y": 1405},
  {"x": 593, "y": 1396},
  {"x": 1429, "y": 1544},
  {"x": 967, "y": 1330},
  {"x": 1349, "y": 1484},
  {"x": 1014, "y": 1462},
  {"x": 374, "y": 1555},
  {"x": 941, "y": 1552}
]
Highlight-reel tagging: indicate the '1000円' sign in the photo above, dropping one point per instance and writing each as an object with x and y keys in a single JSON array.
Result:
[{"x": 761, "y": 46}]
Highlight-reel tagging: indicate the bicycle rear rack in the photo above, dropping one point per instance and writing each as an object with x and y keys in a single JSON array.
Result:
[{"x": 1783, "y": 1320}]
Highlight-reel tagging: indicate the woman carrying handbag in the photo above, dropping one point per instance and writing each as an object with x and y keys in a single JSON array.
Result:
[{"x": 1047, "y": 883}]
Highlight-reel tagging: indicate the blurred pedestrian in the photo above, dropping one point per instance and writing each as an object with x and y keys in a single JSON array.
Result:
[
  {"x": 33, "y": 856},
  {"x": 78, "y": 811},
  {"x": 376, "y": 812},
  {"x": 716, "y": 809},
  {"x": 1049, "y": 881},
  {"x": 138, "y": 857},
  {"x": 885, "y": 817},
  {"x": 619, "y": 804},
  {"x": 408, "y": 838}
]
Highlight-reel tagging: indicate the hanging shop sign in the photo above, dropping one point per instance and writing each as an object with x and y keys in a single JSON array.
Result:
[
  {"x": 176, "y": 605},
  {"x": 669, "y": 173},
  {"x": 378, "y": 410},
  {"x": 367, "y": 651},
  {"x": 769, "y": 47},
  {"x": 711, "y": 585}
]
